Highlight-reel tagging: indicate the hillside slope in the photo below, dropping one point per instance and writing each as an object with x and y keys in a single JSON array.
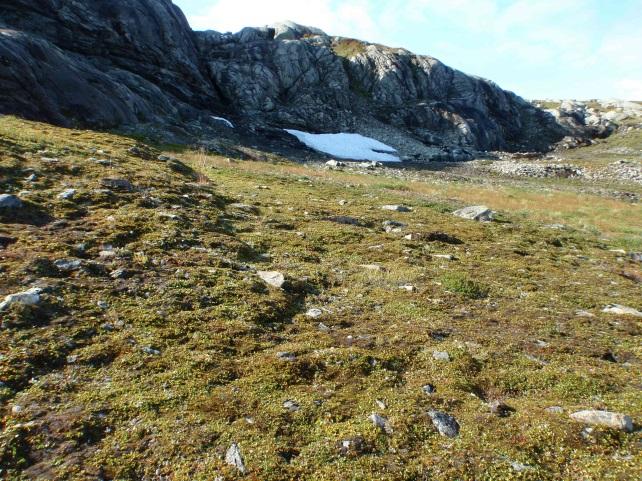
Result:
[
  {"x": 136, "y": 65},
  {"x": 156, "y": 350}
]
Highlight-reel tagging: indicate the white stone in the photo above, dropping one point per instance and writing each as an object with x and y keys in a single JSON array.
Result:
[
  {"x": 621, "y": 310},
  {"x": 381, "y": 422},
  {"x": 604, "y": 418},
  {"x": 441, "y": 356},
  {"x": 233, "y": 458},
  {"x": 273, "y": 278},
  {"x": 27, "y": 298},
  {"x": 480, "y": 213},
  {"x": 67, "y": 194},
  {"x": 314, "y": 313},
  {"x": 397, "y": 208}
]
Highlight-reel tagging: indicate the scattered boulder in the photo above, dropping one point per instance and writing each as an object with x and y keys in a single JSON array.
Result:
[
  {"x": 441, "y": 356},
  {"x": 354, "y": 446},
  {"x": 10, "y": 201},
  {"x": 608, "y": 419},
  {"x": 555, "y": 410},
  {"x": 446, "y": 424},
  {"x": 372, "y": 267},
  {"x": 244, "y": 207},
  {"x": 314, "y": 313},
  {"x": 621, "y": 310},
  {"x": 381, "y": 422},
  {"x": 273, "y": 278},
  {"x": 68, "y": 265},
  {"x": 500, "y": 409},
  {"x": 234, "y": 458},
  {"x": 286, "y": 356},
  {"x": 67, "y": 194},
  {"x": 335, "y": 164},
  {"x": 429, "y": 389},
  {"x": 117, "y": 184},
  {"x": 30, "y": 297},
  {"x": 397, "y": 208},
  {"x": 448, "y": 257},
  {"x": 480, "y": 213},
  {"x": 291, "y": 406},
  {"x": 392, "y": 226}
]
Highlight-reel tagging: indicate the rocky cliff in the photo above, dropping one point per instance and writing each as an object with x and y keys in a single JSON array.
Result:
[{"x": 137, "y": 65}]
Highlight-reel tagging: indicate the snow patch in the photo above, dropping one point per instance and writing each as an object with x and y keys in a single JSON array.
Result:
[
  {"x": 224, "y": 120},
  {"x": 347, "y": 146}
]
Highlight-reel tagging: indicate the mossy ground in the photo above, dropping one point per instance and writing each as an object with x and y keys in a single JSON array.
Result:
[{"x": 181, "y": 359}]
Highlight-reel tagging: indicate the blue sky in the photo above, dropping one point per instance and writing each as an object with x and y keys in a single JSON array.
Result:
[{"x": 538, "y": 48}]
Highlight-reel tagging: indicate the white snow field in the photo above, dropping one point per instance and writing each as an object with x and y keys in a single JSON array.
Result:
[{"x": 347, "y": 146}]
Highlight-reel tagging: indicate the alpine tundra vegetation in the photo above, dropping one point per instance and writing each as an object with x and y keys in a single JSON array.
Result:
[{"x": 277, "y": 255}]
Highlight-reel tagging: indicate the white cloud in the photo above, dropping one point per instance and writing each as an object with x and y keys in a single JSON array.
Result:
[{"x": 348, "y": 18}]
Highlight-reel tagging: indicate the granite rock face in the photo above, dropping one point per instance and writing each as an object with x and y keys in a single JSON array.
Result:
[{"x": 126, "y": 64}]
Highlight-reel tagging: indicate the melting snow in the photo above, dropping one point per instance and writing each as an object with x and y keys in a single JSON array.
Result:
[
  {"x": 225, "y": 121},
  {"x": 347, "y": 146}
]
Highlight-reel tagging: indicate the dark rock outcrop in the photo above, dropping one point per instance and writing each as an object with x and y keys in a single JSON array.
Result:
[{"x": 136, "y": 63}]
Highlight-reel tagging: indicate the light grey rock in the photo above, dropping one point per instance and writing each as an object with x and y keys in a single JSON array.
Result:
[
  {"x": 393, "y": 226},
  {"x": 67, "y": 194},
  {"x": 293, "y": 31},
  {"x": 429, "y": 389},
  {"x": 68, "y": 265},
  {"x": 234, "y": 458},
  {"x": 372, "y": 267},
  {"x": 273, "y": 278},
  {"x": 9, "y": 201},
  {"x": 520, "y": 467},
  {"x": 314, "y": 313},
  {"x": 381, "y": 422},
  {"x": 244, "y": 207},
  {"x": 150, "y": 350},
  {"x": 608, "y": 419},
  {"x": 396, "y": 208},
  {"x": 446, "y": 424},
  {"x": 441, "y": 356},
  {"x": 286, "y": 356},
  {"x": 635, "y": 256},
  {"x": 555, "y": 410},
  {"x": 335, "y": 163},
  {"x": 622, "y": 310},
  {"x": 448, "y": 257},
  {"x": 31, "y": 297},
  {"x": 120, "y": 273},
  {"x": 103, "y": 305},
  {"x": 291, "y": 406},
  {"x": 499, "y": 408},
  {"x": 480, "y": 213}
]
